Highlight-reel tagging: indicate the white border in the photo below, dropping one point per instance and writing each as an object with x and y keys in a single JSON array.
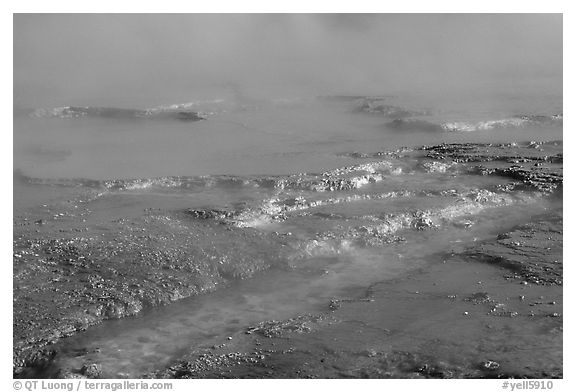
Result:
[{"x": 303, "y": 6}]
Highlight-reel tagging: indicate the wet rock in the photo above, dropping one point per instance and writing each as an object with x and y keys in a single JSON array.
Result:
[
  {"x": 116, "y": 113},
  {"x": 433, "y": 371},
  {"x": 65, "y": 284},
  {"x": 437, "y": 167},
  {"x": 210, "y": 365},
  {"x": 544, "y": 177},
  {"x": 272, "y": 328},
  {"x": 533, "y": 252},
  {"x": 490, "y": 365},
  {"x": 331, "y": 184},
  {"x": 370, "y": 353},
  {"x": 39, "y": 359},
  {"x": 335, "y": 304},
  {"x": 92, "y": 370},
  {"x": 539, "y": 179},
  {"x": 423, "y": 222},
  {"x": 210, "y": 214}
]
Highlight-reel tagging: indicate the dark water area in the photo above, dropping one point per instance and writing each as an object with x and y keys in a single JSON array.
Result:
[{"x": 159, "y": 236}]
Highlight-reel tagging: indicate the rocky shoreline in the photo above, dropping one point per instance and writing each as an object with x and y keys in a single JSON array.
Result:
[
  {"x": 65, "y": 285},
  {"x": 70, "y": 274}
]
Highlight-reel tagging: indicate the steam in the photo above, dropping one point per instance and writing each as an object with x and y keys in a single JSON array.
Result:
[{"x": 144, "y": 60}]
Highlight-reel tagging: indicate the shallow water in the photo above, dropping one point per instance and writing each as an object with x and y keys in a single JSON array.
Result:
[
  {"x": 268, "y": 138},
  {"x": 342, "y": 220},
  {"x": 134, "y": 346}
]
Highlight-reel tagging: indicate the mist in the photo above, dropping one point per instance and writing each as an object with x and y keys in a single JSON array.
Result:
[
  {"x": 144, "y": 59},
  {"x": 287, "y": 196}
]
